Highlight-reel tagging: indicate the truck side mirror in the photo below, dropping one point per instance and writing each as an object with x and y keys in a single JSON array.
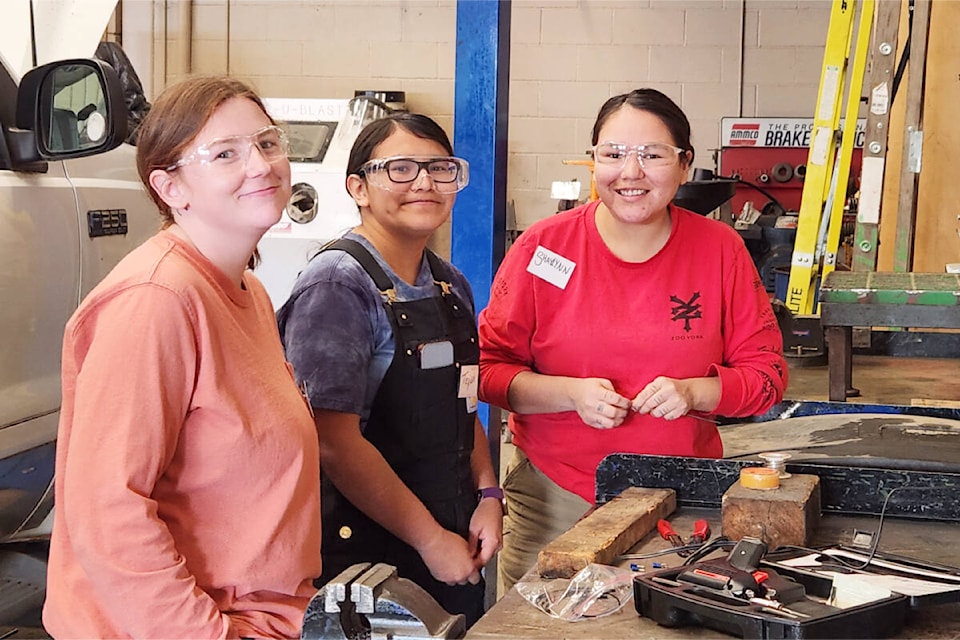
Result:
[{"x": 73, "y": 108}]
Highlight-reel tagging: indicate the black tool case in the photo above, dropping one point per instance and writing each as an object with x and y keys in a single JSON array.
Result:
[{"x": 661, "y": 598}]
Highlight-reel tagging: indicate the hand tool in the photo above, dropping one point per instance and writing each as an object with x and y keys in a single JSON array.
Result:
[
  {"x": 767, "y": 603},
  {"x": 722, "y": 579},
  {"x": 667, "y": 533},
  {"x": 701, "y": 532},
  {"x": 746, "y": 555},
  {"x": 737, "y": 575}
]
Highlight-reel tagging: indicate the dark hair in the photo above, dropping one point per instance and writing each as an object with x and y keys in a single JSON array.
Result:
[
  {"x": 380, "y": 129},
  {"x": 174, "y": 121},
  {"x": 653, "y": 102}
]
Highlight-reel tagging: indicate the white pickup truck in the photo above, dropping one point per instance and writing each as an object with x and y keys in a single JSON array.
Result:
[{"x": 71, "y": 206}]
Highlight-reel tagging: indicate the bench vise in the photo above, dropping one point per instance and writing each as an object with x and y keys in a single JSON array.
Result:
[{"x": 367, "y": 601}]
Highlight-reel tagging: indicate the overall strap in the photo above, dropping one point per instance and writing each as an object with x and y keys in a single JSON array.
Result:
[
  {"x": 369, "y": 264},
  {"x": 441, "y": 278}
]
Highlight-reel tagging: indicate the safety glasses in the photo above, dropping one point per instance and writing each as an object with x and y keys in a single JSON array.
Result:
[
  {"x": 231, "y": 153},
  {"x": 447, "y": 173},
  {"x": 650, "y": 156}
]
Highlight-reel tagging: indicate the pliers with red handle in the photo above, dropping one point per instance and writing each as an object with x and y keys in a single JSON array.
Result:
[{"x": 701, "y": 533}]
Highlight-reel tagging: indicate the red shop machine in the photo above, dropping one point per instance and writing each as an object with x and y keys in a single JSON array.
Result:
[
  {"x": 770, "y": 155},
  {"x": 767, "y": 157}
]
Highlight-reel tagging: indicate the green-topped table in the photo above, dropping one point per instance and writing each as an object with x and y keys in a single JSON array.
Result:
[{"x": 866, "y": 299}]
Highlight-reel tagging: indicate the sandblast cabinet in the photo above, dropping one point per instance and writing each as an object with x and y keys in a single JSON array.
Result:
[{"x": 321, "y": 132}]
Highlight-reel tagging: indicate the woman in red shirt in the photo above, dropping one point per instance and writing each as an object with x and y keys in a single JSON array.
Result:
[{"x": 621, "y": 325}]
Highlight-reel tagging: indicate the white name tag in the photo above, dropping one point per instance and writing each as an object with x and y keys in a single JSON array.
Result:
[
  {"x": 550, "y": 266},
  {"x": 469, "y": 378}
]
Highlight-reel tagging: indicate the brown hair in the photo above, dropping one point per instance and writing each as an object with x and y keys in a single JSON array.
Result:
[
  {"x": 174, "y": 121},
  {"x": 653, "y": 102},
  {"x": 379, "y": 130}
]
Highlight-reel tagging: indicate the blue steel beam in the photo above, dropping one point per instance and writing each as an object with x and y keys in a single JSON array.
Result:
[
  {"x": 480, "y": 108},
  {"x": 481, "y": 101}
]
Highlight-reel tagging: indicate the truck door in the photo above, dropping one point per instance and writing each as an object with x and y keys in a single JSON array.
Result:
[
  {"x": 116, "y": 214},
  {"x": 60, "y": 232},
  {"x": 39, "y": 289}
]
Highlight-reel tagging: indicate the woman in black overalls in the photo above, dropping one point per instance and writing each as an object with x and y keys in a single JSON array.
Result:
[{"x": 382, "y": 336}]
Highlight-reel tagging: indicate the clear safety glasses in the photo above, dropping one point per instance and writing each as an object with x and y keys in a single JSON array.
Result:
[
  {"x": 232, "y": 152},
  {"x": 650, "y": 156},
  {"x": 447, "y": 173}
]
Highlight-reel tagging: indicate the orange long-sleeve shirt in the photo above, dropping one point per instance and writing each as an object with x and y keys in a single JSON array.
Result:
[{"x": 187, "y": 484}]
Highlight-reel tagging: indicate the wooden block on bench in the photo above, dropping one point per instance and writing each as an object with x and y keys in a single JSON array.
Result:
[
  {"x": 606, "y": 532},
  {"x": 788, "y": 514}
]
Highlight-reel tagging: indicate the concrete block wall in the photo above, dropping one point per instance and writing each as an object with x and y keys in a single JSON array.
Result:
[{"x": 716, "y": 58}]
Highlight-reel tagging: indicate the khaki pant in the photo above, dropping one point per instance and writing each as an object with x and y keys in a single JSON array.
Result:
[{"x": 537, "y": 512}]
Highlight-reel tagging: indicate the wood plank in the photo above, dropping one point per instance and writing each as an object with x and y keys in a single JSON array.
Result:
[
  {"x": 903, "y": 249},
  {"x": 879, "y": 85},
  {"x": 606, "y": 532},
  {"x": 934, "y": 402},
  {"x": 936, "y": 239},
  {"x": 891, "y": 173}
]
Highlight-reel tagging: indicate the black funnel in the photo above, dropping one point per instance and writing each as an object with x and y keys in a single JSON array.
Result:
[{"x": 705, "y": 192}]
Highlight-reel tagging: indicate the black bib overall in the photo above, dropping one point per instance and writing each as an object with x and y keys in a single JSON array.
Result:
[{"x": 423, "y": 430}]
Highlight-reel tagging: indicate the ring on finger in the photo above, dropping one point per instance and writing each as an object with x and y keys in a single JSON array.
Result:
[{"x": 600, "y": 408}]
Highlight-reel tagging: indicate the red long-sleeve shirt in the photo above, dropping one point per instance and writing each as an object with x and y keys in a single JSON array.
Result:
[{"x": 697, "y": 308}]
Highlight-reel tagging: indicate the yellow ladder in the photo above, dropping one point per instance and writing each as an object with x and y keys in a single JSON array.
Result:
[{"x": 825, "y": 183}]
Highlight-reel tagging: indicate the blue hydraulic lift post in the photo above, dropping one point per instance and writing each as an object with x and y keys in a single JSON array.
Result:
[
  {"x": 480, "y": 111},
  {"x": 481, "y": 100}
]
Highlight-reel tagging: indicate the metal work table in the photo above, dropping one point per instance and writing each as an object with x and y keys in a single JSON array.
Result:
[{"x": 512, "y": 617}]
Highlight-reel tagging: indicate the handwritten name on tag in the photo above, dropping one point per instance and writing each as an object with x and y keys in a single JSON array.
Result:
[
  {"x": 469, "y": 378},
  {"x": 550, "y": 266}
]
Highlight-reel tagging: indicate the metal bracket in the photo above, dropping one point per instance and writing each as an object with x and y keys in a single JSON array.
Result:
[{"x": 915, "y": 150}]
